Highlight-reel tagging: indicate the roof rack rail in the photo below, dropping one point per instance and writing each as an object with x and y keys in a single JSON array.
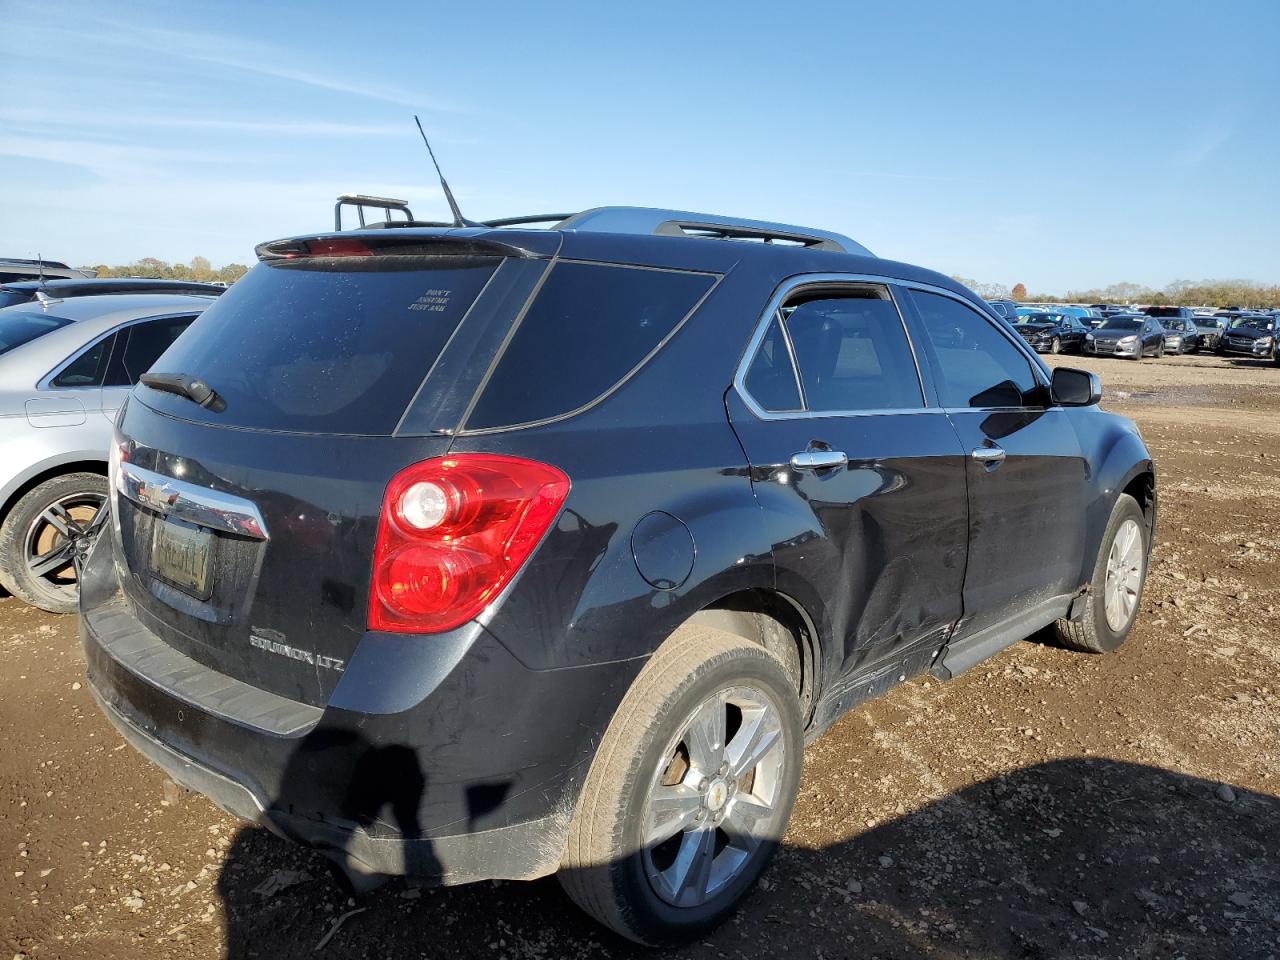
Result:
[
  {"x": 683, "y": 223},
  {"x": 361, "y": 201}
]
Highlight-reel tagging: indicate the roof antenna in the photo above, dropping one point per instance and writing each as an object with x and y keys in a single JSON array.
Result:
[
  {"x": 458, "y": 219},
  {"x": 40, "y": 268}
]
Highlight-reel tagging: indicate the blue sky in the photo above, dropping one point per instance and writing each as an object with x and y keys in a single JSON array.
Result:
[{"x": 1057, "y": 145}]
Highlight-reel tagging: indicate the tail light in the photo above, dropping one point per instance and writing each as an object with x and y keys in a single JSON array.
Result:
[{"x": 452, "y": 534}]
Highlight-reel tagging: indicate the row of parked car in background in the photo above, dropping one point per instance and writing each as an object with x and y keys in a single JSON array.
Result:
[
  {"x": 1135, "y": 332},
  {"x": 85, "y": 341}
]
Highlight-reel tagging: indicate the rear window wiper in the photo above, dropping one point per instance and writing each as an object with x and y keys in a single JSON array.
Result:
[{"x": 193, "y": 388}]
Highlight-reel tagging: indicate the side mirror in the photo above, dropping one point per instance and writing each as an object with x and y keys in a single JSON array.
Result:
[{"x": 1075, "y": 388}]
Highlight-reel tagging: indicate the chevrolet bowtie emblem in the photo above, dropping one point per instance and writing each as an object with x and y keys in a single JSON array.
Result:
[{"x": 158, "y": 497}]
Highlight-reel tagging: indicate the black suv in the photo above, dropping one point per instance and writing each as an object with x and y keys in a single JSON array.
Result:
[
  {"x": 1050, "y": 332},
  {"x": 1253, "y": 335},
  {"x": 495, "y": 553}
]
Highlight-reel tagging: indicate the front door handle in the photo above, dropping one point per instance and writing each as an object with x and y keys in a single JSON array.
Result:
[
  {"x": 991, "y": 456},
  {"x": 819, "y": 459}
]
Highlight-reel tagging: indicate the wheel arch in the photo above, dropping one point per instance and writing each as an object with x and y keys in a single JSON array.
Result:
[
  {"x": 779, "y": 624},
  {"x": 48, "y": 470}
]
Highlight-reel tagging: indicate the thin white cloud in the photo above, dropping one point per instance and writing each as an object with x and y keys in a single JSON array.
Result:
[
  {"x": 1197, "y": 148},
  {"x": 248, "y": 55},
  {"x": 116, "y": 121}
]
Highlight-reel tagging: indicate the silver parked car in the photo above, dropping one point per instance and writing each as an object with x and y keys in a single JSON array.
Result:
[{"x": 65, "y": 368}]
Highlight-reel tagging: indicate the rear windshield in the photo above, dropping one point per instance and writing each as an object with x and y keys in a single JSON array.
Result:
[
  {"x": 19, "y": 328},
  {"x": 326, "y": 345},
  {"x": 9, "y": 297},
  {"x": 589, "y": 327},
  {"x": 1164, "y": 311},
  {"x": 1122, "y": 323}
]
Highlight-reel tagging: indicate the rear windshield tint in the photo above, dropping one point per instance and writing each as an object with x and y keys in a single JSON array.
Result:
[
  {"x": 589, "y": 326},
  {"x": 324, "y": 346},
  {"x": 19, "y": 328}
]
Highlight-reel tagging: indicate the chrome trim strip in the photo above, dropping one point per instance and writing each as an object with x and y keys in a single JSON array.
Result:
[
  {"x": 185, "y": 501},
  {"x": 791, "y": 355}
]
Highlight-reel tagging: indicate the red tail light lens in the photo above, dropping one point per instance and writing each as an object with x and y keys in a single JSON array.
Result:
[{"x": 452, "y": 534}]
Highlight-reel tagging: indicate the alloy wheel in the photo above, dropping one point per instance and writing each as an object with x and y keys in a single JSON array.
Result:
[
  {"x": 1124, "y": 576},
  {"x": 714, "y": 796},
  {"x": 58, "y": 540}
]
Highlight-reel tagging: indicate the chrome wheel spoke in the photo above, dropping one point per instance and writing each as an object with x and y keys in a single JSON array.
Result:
[
  {"x": 672, "y": 809},
  {"x": 690, "y": 875},
  {"x": 759, "y": 734},
  {"x": 745, "y": 821},
  {"x": 705, "y": 736}
]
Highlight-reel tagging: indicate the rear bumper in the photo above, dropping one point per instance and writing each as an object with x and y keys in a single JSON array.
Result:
[
  {"x": 518, "y": 851},
  {"x": 476, "y": 779}
]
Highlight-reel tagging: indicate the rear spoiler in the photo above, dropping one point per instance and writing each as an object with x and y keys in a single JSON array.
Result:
[{"x": 399, "y": 243}]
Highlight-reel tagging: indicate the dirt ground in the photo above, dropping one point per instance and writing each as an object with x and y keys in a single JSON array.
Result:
[{"x": 1044, "y": 804}]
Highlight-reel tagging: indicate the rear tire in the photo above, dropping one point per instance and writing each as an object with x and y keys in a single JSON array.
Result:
[
  {"x": 1105, "y": 624},
  {"x": 1160, "y": 350},
  {"x": 665, "y": 843},
  {"x": 41, "y": 535}
]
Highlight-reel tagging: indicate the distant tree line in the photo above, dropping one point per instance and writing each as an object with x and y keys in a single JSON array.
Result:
[
  {"x": 1182, "y": 293},
  {"x": 198, "y": 269}
]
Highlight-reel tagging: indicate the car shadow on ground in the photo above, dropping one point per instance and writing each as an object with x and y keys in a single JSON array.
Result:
[{"x": 1071, "y": 858}]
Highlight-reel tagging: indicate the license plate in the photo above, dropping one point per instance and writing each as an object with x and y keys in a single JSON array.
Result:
[{"x": 182, "y": 555}]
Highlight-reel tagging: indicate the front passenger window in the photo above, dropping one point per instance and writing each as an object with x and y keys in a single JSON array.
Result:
[{"x": 976, "y": 366}]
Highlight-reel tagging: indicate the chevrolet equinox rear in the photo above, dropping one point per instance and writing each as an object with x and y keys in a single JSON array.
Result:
[{"x": 495, "y": 553}]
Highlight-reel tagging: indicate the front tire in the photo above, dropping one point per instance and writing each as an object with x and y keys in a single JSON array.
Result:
[
  {"x": 42, "y": 536},
  {"x": 1115, "y": 591},
  {"x": 690, "y": 790},
  {"x": 1055, "y": 346}
]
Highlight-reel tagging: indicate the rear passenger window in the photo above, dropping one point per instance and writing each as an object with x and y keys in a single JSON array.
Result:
[
  {"x": 976, "y": 365},
  {"x": 589, "y": 326},
  {"x": 771, "y": 379},
  {"x": 852, "y": 351}
]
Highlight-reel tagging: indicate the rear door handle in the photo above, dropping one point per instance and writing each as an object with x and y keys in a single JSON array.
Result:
[
  {"x": 991, "y": 456},
  {"x": 819, "y": 459}
]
